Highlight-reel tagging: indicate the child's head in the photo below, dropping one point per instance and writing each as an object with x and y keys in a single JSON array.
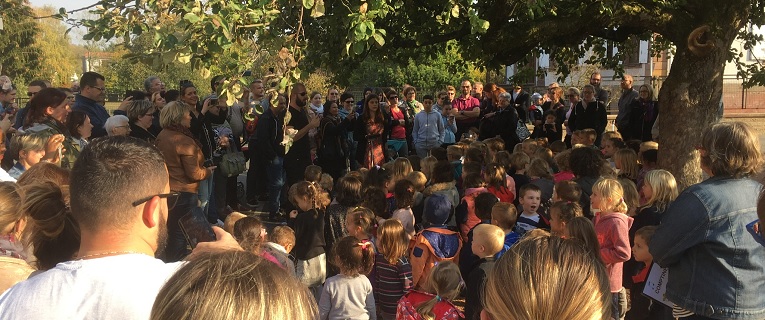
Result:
[
  {"x": 530, "y": 197},
  {"x": 445, "y": 282},
  {"x": 562, "y": 160},
  {"x": 550, "y": 117},
  {"x": 504, "y": 215},
  {"x": 307, "y": 195},
  {"x": 354, "y": 257},
  {"x": 558, "y": 146},
  {"x": 610, "y": 135},
  {"x": 380, "y": 177},
  {"x": 375, "y": 199},
  {"x": 659, "y": 188},
  {"x": 472, "y": 180},
  {"x": 326, "y": 182},
  {"x": 495, "y": 176},
  {"x": 519, "y": 160},
  {"x": 471, "y": 168},
  {"x": 475, "y": 155},
  {"x": 609, "y": 146},
  {"x": 453, "y": 152},
  {"x": 567, "y": 190},
  {"x": 28, "y": 148},
  {"x": 231, "y": 219},
  {"x": 529, "y": 147},
  {"x": 401, "y": 168},
  {"x": 576, "y": 137},
  {"x": 403, "y": 192},
  {"x": 503, "y": 158},
  {"x": 640, "y": 245},
  {"x": 427, "y": 164},
  {"x": 589, "y": 136},
  {"x": 283, "y": 236},
  {"x": 649, "y": 158},
  {"x": 495, "y": 144},
  {"x": 249, "y": 232},
  {"x": 582, "y": 229},
  {"x": 561, "y": 214},
  {"x": 360, "y": 222},
  {"x": 631, "y": 196},
  {"x": 348, "y": 192},
  {"x": 563, "y": 279},
  {"x": 538, "y": 168},
  {"x": 488, "y": 239},
  {"x": 437, "y": 209},
  {"x": 627, "y": 163},
  {"x": 418, "y": 179},
  {"x": 312, "y": 173},
  {"x": 392, "y": 240},
  {"x": 608, "y": 196},
  {"x": 427, "y": 101},
  {"x": 484, "y": 203},
  {"x": 442, "y": 172},
  {"x": 358, "y": 174}
]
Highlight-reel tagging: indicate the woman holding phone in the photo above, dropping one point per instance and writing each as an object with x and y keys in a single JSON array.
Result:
[{"x": 185, "y": 165}]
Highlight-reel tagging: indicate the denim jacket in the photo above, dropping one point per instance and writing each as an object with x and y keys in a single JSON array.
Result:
[{"x": 716, "y": 267}]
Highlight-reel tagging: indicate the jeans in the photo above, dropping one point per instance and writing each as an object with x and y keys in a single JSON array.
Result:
[
  {"x": 204, "y": 193},
  {"x": 276, "y": 178},
  {"x": 177, "y": 248},
  {"x": 618, "y": 304}
]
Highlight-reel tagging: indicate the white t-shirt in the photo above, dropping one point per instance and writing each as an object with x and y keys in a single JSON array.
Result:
[{"x": 115, "y": 287}]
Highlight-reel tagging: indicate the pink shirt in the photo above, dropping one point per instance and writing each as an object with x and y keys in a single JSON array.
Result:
[
  {"x": 466, "y": 104},
  {"x": 397, "y": 131}
]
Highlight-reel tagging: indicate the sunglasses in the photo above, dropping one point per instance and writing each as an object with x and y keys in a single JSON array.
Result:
[
  {"x": 30, "y": 94},
  {"x": 349, "y": 101}
]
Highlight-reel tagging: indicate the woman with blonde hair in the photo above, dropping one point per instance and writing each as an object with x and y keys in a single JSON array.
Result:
[
  {"x": 233, "y": 285},
  {"x": 545, "y": 277},
  {"x": 141, "y": 114}
]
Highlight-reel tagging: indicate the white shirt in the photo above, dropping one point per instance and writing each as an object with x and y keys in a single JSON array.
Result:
[
  {"x": 115, "y": 287},
  {"x": 5, "y": 177}
]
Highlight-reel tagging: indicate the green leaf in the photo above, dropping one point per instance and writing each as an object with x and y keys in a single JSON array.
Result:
[
  {"x": 358, "y": 48},
  {"x": 318, "y": 9},
  {"x": 379, "y": 39},
  {"x": 191, "y": 18},
  {"x": 308, "y": 4},
  {"x": 456, "y": 11}
]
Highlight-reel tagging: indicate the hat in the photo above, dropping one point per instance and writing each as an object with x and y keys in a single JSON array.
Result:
[
  {"x": 536, "y": 96},
  {"x": 437, "y": 209}
]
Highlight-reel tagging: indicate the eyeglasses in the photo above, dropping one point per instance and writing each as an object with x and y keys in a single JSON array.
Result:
[
  {"x": 71, "y": 98},
  {"x": 30, "y": 94},
  {"x": 302, "y": 93},
  {"x": 100, "y": 89},
  {"x": 393, "y": 97},
  {"x": 172, "y": 198},
  {"x": 349, "y": 101}
]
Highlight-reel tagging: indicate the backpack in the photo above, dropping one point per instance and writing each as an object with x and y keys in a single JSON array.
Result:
[
  {"x": 522, "y": 131},
  {"x": 423, "y": 258}
]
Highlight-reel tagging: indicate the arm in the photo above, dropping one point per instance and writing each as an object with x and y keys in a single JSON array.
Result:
[
  {"x": 620, "y": 251},
  {"x": 314, "y": 123},
  {"x": 441, "y": 130},
  {"x": 325, "y": 303},
  {"x": 370, "y": 304},
  {"x": 416, "y": 127},
  {"x": 190, "y": 162},
  {"x": 682, "y": 227},
  {"x": 469, "y": 114}
]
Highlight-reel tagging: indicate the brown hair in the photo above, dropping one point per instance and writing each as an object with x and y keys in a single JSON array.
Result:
[
  {"x": 52, "y": 232},
  {"x": 504, "y": 214},
  {"x": 248, "y": 232},
  {"x": 562, "y": 160},
  {"x": 582, "y": 229},
  {"x": 646, "y": 233},
  {"x": 544, "y": 277},
  {"x": 567, "y": 210},
  {"x": 731, "y": 149},
  {"x": 627, "y": 161},
  {"x": 362, "y": 217},
  {"x": 539, "y": 168},
  {"x": 282, "y": 235},
  {"x": 392, "y": 240},
  {"x": 318, "y": 198},
  {"x": 495, "y": 176},
  {"x": 38, "y": 105},
  {"x": 445, "y": 282},
  {"x": 348, "y": 191},
  {"x": 353, "y": 257},
  {"x": 472, "y": 180},
  {"x": 401, "y": 168},
  {"x": 10, "y": 207},
  {"x": 44, "y": 171},
  {"x": 519, "y": 160},
  {"x": 568, "y": 190},
  {"x": 231, "y": 219},
  {"x": 312, "y": 173},
  {"x": 403, "y": 192},
  {"x": 233, "y": 284}
]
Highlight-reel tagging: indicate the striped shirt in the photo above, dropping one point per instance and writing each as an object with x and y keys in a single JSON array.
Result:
[{"x": 391, "y": 282}]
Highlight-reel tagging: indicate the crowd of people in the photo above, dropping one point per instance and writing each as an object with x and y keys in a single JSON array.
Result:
[{"x": 385, "y": 208}]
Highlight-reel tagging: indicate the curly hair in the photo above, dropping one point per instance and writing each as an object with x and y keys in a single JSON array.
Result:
[{"x": 586, "y": 162}]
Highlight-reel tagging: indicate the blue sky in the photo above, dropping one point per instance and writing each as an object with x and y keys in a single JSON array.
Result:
[{"x": 69, "y": 4}]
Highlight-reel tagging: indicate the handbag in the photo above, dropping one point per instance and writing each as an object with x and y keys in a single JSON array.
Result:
[
  {"x": 232, "y": 164},
  {"x": 522, "y": 131}
]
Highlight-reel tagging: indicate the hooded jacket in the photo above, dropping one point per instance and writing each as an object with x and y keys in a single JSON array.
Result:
[{"x": 613, "y": 235}]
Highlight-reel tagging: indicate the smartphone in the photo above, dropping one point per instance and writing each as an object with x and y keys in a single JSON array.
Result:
[{"x": 195, "y": 227}]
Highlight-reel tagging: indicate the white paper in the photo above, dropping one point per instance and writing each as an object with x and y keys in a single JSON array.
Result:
[{"x": 656, "y": 284}]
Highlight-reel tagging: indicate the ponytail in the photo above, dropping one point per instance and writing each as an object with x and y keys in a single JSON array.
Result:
[
  {"x": 318, "y": 198},
  {"x": 444, "y": 281},
  {"x": 52, "y": 231}
]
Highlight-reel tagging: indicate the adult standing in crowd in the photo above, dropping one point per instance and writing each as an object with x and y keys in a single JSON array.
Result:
[
  {"x": 33, "y": 88},
  {"x": 572, "y": 95},
  {"x": 589, "y": 113},
  {"x": 427, "y": 131},
  {"x": 333, "y": 151},
  {"x": 716, "y": 266},
  {"x": 80, "y": 129},
  {"x": 153, "y": 85},
  {"x": 299, "y": 155},
  {"x": 348, "y": 107},
  {"x": 600, "y": 93},
  {"x": 258, "y": 100},
  {"x": 141, "y": 115},
  {"x": 643, "y": 114},
  {"x": 185, "y": 161},
  {"x": 119, "y": 190},
  {"x": 468, "y": 109},
  {"x": 400, "y": 126},
  {"x": 371, "y": 134},
  {"x": 92, "y": 93},
  {"x": 270, "y": 153},
  {"x": 625, "y": 105},
  {"x": 48, "y": 111},
  {"x": 117, "y": 125},
  {"x": 158, "y": 101},
  {"x": 520, "y": 100},
  {"x": 333, "y": 95},
  {"x": 504, "y": 121}
]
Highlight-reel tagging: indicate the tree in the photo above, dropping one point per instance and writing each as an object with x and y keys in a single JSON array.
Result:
[
  {"x": 344, "y": 33},
  {"x": 19, "y": 58},
  {"x": 57, "y": 59}
]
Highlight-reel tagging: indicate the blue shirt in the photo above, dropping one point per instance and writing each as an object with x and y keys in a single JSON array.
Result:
[
  {"x": 510, "y": 239},
  {"x": 96, "y": 112}
]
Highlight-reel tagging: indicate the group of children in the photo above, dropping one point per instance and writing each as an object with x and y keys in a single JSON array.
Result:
[{"x": 413, "y": 229}]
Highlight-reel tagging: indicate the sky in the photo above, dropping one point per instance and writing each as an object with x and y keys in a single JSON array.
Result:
[{"x": 68, "y": 4}]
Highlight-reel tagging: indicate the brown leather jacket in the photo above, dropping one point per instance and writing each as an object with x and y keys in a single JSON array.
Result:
[{"x": 184, "y": 160}]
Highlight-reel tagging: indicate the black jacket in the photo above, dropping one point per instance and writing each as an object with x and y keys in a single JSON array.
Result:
[
  {"x": 268, "y": 136},
  {"x": 594, "y": 117},
  {"x": 334, "y": 135},
  {"x": 475, "y": 285}
]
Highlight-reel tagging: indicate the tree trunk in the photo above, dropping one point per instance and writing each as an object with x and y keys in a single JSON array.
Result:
[{"x": 690, "y": 102}]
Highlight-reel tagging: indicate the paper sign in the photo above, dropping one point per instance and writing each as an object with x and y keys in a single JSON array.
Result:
[{"x": 656, "y": 284}]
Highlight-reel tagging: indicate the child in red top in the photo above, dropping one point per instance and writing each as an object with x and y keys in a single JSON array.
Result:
[
  {"x": 496, "y": 182},
  {"x": 443, "y": 285}
]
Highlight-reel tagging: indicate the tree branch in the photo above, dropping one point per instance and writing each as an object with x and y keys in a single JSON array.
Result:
[{"x": 69, "y": 12}]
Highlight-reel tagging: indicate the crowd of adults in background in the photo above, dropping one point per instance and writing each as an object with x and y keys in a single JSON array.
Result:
[{"x": 388, "y": 205}]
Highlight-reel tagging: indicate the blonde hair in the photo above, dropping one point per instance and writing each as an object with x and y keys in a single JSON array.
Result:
[
  {"x": 519, "y": 160},
  {"x": 418, "y": 179},
  {"x": 612, "y": 195},
  {"x": 392, "y": 240},
  {"x": 27, "y": 142},
  {"x": 173, "y": 113},
  {"x": 610, "y": 134},
  {"x": 233, "y": 285},
  {"x": 232, "y": 218},
  {"x": 731, "y": 149},
  {"x": 401, "y": 168},
  {"x": 326, "y": 182},
  {"x": 454, "y": 152},
  {"x": 490, "y": 236},
  {"x": 627, "y": 161},
  {"x": 319, "y": 198},
  {"x": 426, "y": 166},
  {"x": 531, "y": 144},
  {"x": 504, "y": 214},
  {"x": 444, "y": 281},
  {"x": 663, "y": 188},
  {"x": 631, "y": 195},
  {"x": 562, "y": 160},
  {"x": 10, "y": 207},
  {"x": 544, "y": 277},
  {"x": 283, "y": 236}
]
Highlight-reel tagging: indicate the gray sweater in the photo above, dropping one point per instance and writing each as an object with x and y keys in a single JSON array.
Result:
[{"x": 345, "y": 297}]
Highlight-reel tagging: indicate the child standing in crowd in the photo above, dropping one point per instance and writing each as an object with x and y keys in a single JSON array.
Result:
[
  {"x": 436, "y": 243},
  {"x": 484, "y": 203},
  {"x": 504, "y": 215},
  {"x": 401, "y": 168},
  {"x": 488, "y": 240},
  {"x": 567, "y": 191},
  {"x": 280, "y": 244},
  {"x": 349, "y": 295},
  {"x": 250, "y": 234},
  {"x": 434, "y": 302},
  {"x": 360, "y": 223},
  {"x": 561, "y": 214},
  {"x": 404, "y": 194},
  {"x": 308, "y": 224},
  {"x": 529, "y": 219},
  {"x": 612, "y": 227},
  {"x": 519, "y": 162},
  {"x": 465, "y": 211},
  {"x": 392, "y": 271},
  {"x": 419, "y": 180},
  {"x": 643, "y": 307},
  {"x": 582, "y": 229},
  {"x": 496, "y": 182}
]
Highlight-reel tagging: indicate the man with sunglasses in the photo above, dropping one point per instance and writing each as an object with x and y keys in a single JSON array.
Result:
[
  {"x": 32, "y": 89},
  {"x": 299, "y": 155},
  {"x": 93, "y": 91},
  {"x": 468, "y": 109},
  {"x": 119, "y": 197}
]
